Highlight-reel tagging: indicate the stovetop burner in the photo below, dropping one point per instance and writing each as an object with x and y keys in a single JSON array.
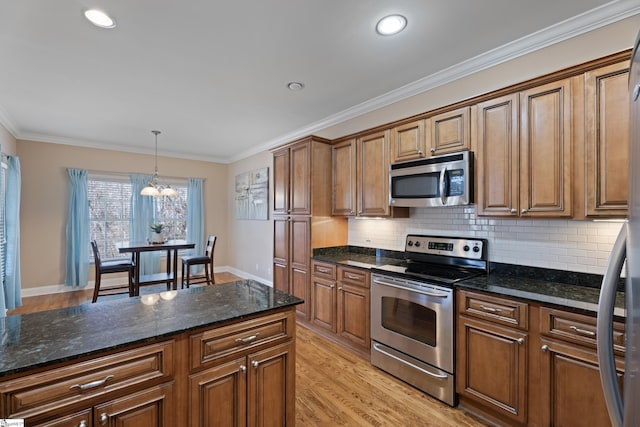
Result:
[{"x": 442, "y": 260}]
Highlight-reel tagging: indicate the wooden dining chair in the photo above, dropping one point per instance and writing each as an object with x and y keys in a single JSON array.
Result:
[
  {"x": 107, "y": 266},
  {"x": 206, "y": 260}
]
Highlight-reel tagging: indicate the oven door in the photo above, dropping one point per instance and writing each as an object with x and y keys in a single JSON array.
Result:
[{"x": 414, "y": 318}]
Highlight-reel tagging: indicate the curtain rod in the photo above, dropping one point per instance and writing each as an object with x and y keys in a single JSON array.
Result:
[{"x": 160, "y": 176}]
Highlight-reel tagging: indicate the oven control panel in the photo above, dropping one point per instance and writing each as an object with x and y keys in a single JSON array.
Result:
[{"x": 448, "y": 246}]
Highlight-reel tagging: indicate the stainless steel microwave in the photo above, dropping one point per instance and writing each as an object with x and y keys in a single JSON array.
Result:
[{"x": 445, "y": 180}]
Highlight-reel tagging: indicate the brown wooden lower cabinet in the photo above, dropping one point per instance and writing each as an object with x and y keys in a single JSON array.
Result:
[
  {"x": 251, "y": 390},
  {"x": 238, "y": 373},
  {"x": 340, "y": 307},
  {"x": 540, "y": 371}
]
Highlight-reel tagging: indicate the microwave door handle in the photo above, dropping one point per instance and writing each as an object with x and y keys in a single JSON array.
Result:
[{"x": 443, "y": 186}]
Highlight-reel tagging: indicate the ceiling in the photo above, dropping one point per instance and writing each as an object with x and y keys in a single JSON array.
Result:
[{"x": 212, "y": 75}]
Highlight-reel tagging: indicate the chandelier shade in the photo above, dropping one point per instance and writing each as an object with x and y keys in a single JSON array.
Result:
[{"x": 153, "y": 188}]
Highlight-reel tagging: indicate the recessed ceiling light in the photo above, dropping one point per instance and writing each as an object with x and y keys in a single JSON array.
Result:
[
  {"x": 391, "y": 24},
  {"x": 295, "y": 86},
  {"x": 99, "y": 18}
]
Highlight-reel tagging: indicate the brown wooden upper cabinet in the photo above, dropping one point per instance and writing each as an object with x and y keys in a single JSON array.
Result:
[
  {"x": 291, "y": 179},
  {"x": 450, "y": 131},
  {"x": 524, "y": 153},
  {"x": 607, "y": 140},
  {"x": 440, "y": 134},
  {"x": 361, "y": 177}
]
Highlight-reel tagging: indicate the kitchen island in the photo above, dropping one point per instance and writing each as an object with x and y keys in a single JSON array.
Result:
[{"x": 172, "y": 358}]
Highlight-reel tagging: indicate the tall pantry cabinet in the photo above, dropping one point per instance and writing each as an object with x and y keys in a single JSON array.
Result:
[{"x": 302, "y": 217}]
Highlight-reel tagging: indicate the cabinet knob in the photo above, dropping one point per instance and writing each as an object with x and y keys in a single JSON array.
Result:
[
  {"x": 420, "y": 153},
  {"x": 340, "y": 288},
  {"x": 243, "y": 368},
  {"x": 104, "y": 418},
  {"x": 520, "y": 340},
  {"x": 83, "y": 423},
  {"x": 255, "y": 363},
  {"x": 514, "y": 210},
  {"x": 524, "y": 211},
  {"x": 545, "y": 348},
  {"x": 433, "y": 150}
]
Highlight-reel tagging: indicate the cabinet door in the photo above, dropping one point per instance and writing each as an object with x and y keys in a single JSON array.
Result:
[
  {"x": 271, "y": 387},
  {"x": 218, "y": 396},
  {"x": 409, "y": 141},
  {"x": 323, "y": 298},
  {"x": 571, "y": 391},
  {"x": 492, "y": 367},
  {"x": 281, "y": 181},
  {"x": 79, "y": 419},
  {"x": 300, "y": 179},
  {"x": 281, "y": 253},
  {"x": 450, "y": 131},
  {"x": 150, "y": 408},
  {"x": 354, "y": 314},
  {"x": 299, "y": 260},
  {"x": 497, "y": 157},
  {"x": 373, "y": 174},
  {"x": 344, "y": 178},
  {"x": 545, "y": 150},
  {"x": 607, "y": 140}
]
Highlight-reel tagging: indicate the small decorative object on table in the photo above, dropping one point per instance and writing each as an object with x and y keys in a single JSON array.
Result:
[{"x": 156, "y": 236}]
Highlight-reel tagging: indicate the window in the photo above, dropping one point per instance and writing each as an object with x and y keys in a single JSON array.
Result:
[{"x": 110, "y": 211}]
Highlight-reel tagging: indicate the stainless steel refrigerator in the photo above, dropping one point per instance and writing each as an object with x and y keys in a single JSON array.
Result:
[{"x": 624, "y": 407}]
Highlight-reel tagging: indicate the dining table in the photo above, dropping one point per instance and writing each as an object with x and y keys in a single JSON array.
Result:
[{"x": 170, "y": 276}]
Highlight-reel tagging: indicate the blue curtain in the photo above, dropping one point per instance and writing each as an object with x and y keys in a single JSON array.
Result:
[
  {"x": 142, "y": 217},
  {"x": 77, "y": 233},
  {"x": 195, "y": 214},
  {"x": 12, "y": 296}
]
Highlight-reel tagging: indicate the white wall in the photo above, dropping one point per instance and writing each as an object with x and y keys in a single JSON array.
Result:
[{"x": 581, "y": 246}]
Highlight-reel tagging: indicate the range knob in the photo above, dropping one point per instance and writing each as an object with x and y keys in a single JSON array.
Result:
[
  {"x": 409, "y": 243},
  {"x": 476, "y": 249},
  {"x": 466, "y": 248},
  {"x": 417, "y": 244}
]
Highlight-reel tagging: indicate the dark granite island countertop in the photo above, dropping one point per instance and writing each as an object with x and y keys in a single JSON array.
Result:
[{"x": 40, "y": 339}]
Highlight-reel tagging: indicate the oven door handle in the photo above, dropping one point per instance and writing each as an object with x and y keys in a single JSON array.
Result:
[
  {"x": 429, "y": 294},
  {"x": 411, "y": 365}
]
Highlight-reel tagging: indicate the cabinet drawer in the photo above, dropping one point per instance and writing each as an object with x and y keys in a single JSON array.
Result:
[
  {"x": 324, "y": 270},
  {"x": 215, "y": 344},
  {"x": 353, "y": 276},
  {"x": 577, "y": 328},
  {"x": 39, "y": 393},
  {"x": 498, "y": 310}
]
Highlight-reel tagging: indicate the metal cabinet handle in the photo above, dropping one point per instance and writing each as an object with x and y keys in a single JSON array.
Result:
[
  {"x": 433, "y": 150},
  {"x": 255, "y": 363},
  {"x": 544, "y": 348},
  {"x": 248, "y": 339},
  {"x": 352, "y": 276},
  {"x": 332, "y": 286},
  {"x": 339, "y": 288},
  {"x": 104, "y": 418},
  {"x": 92, "y": 384},
  {"x": 582, "y": 331},
  {"x": 243, "y": 368},
  {"x": 490, "y": 309},
  {"x": 520, "y": 340},
  {"x": 83, "y": 423},
  {"x": 523, "y": 211},
  {"x": 420, "y": 153},
  {"x": 323, "y": 270},
  {"x": 514, "y": 210}
]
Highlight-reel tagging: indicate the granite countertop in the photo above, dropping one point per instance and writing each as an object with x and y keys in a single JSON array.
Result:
[
  {"x": 564, "y": 289},
  {"x": 39, "y": 339}
]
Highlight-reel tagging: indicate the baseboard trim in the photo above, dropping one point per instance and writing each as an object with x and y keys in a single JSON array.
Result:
[{"x": 56, "y": 289}]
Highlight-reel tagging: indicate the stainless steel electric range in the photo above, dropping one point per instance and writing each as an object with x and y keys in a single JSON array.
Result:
[{"x": 413, "y": 310}]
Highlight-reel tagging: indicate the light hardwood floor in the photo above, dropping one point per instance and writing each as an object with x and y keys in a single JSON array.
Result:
[{"x": 334, "y": 387}]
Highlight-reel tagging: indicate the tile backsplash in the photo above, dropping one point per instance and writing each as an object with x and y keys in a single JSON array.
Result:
[{"x": 581, "y": 246}]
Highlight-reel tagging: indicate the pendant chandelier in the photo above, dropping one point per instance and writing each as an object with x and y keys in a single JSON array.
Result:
[{"x": 153, "y": 188}]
